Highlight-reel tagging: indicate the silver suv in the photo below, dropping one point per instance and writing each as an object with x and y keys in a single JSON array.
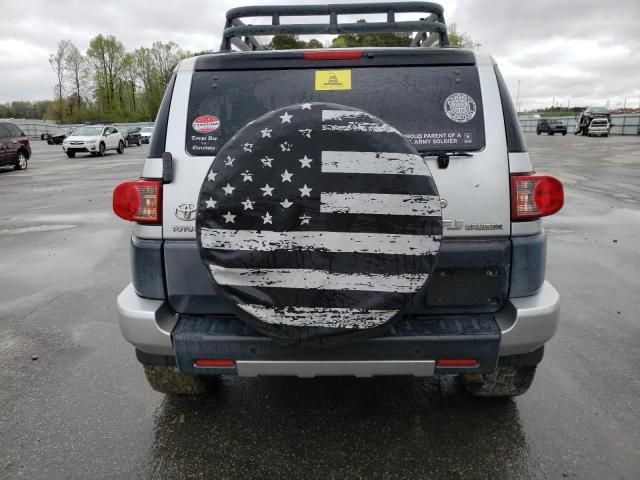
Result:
[{"x": 358, "y": 212}]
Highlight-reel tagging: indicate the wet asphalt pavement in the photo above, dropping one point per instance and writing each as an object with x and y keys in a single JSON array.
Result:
[{"x": 83, "y": 410}]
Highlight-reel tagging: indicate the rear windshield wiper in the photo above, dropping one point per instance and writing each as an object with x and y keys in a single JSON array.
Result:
[{"x": 443, "y": 157}]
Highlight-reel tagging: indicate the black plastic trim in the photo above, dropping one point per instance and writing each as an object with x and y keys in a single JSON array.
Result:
[
  {"x": 524, "y": 360},
  {"x": 471, "y": 275},
  {"x": 515, "y": 138},
  {"x": 421, "y": 338},
  {"x": 147, "y": 270},
  {"x": 372, "y": 57},
  {"x": 155, "y": 360},
  {"x": 528, "y": 264},
  {"x": 159, "y": 137}
]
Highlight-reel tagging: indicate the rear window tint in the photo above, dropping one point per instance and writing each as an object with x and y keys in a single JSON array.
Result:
[
  {"x": 13, "y": 130},
  {"x": 436, "y": 108}
]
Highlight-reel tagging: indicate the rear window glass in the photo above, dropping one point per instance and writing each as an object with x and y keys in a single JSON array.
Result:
[
  {"x": 436, "y": 108},
  {"x": 13, "y": 130}
]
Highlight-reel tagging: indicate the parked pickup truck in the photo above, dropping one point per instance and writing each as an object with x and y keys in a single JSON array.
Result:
[{"x": 361, "y": 211}]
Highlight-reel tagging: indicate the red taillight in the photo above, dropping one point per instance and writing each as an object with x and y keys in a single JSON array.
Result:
[
  {"x": 457, "y": 362},
  {"x": 535, "y": 196},
  {"x": 139, "y": 201},
  {"x": 334, "y": 55},
  {"x": 214, "y": 363}
]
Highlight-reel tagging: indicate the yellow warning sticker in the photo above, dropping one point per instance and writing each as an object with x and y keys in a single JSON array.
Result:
[{"x": 333, "y": 79}]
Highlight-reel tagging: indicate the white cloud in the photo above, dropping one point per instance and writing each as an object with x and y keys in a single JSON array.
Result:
[{"x": 583, "y": 51}]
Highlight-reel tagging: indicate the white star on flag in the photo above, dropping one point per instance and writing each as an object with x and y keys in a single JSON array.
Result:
[
  {"x": 248, "y": 147},
  {"x": 286, "y": 118},
  {"x": 229, "y": 161},
  {"x": 306, "y": 132},
  {"x": 212, "y": 176},
  {"x": 247, "y": 204},
  {"x": 266, "y": 132},
  {"x": 305, "y": 191},
  {"x": 228, "y": 190},
  {"x": 247, "y": 176},
  {"x": 229, "y": 218},
  {"x": 286, "y": 146},
  {"x": 286, "y": 176},
  {"x": 266, "y": 218},
  {"x": 286, "y": 203},
  {"x": 304, "y": 219},
  {"x": 306, "y": 106},
  {"x": 305, "y": 162},
  {"x": 267, "y": 190},
  {"x": 211, "y": 203},
  {"x": 266, "y": 161}
]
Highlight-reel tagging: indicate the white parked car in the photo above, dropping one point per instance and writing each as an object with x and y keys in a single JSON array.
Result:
[
  {"x": 145, "y": 134},
  {"x": 93, "y": 139},
  {"x": 600, "y": 127}
]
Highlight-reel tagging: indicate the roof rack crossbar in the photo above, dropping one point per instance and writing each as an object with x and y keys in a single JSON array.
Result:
[{"x": 431, "y": 28}]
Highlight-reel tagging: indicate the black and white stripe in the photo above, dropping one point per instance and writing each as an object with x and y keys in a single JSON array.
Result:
[{"x": 373, "y": 233}]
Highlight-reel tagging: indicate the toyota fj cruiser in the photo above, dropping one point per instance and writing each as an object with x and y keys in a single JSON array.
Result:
[{"x": 361, "y": 212}]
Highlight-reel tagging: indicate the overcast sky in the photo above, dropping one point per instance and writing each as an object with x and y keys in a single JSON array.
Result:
[{"x": 583, "y": 52}]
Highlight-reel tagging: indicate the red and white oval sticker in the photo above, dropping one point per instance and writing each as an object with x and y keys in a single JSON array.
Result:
[{"x": 206, "y": 124}]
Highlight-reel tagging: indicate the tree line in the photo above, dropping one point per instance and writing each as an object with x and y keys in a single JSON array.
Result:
[{"x": 107, "y": 82}]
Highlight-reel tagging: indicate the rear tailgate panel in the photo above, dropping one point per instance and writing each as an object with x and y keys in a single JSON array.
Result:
[
  {"x": 472, "y": 275},
  {"x": 475, "y": 188}
]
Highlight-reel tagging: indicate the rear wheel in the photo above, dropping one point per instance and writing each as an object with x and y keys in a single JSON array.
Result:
[
  {"x": 168, "y": 380},
  {"x": 126, "y": 142},
  {"x": 538, "y": 132},
  {"x": 551, "y": 133},
  {"x": 504, "y": 382},
  {"x": 120, "y": 148},
  {"x": 564, "y": 133},
  {"x": 71, "y": 154},
  {"x": 21, "y": 161}
]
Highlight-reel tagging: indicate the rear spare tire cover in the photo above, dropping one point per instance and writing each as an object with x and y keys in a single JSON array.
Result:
[{"x": 319, "y": 221}]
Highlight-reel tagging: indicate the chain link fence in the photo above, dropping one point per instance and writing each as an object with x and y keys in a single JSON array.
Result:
[
  {"x": 628, "y": 124},
  {"x": 35, "y": 128}
]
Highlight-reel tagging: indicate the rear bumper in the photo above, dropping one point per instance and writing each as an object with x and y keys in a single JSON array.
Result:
[{"x": 525, "y": 324}]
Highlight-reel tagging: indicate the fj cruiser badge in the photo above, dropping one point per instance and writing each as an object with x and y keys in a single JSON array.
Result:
[
  {"x": 460, "y": 107},
  {"x": 186, "y": 212}
]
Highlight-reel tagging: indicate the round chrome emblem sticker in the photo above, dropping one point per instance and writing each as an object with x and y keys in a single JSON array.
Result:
[{"x": 460, "y": 107}]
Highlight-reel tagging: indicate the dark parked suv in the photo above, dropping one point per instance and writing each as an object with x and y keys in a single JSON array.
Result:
[
  {"x": 14, "y": 146},
  {"x": 551, "y": 127}
]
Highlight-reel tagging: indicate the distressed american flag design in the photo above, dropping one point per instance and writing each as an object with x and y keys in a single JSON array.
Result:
[{"x": 319, "y": 215}]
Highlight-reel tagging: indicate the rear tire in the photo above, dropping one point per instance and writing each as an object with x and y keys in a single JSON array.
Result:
[
  {"x": 551, "y": 133},
  {"x": 504, "y": 382},
  {"x": 21, "y": 161},
  {"x": 538, "y": 132},
  {"x": 120, "y": 148},
  {"x": 71, "y": 154},
  {"x": 168, "y": 380},
  {"x": 564, "y": 133},
  {"x": 126, "y": 143}
]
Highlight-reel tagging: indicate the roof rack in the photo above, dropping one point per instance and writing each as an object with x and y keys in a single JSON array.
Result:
[{"x": 432, "y": 30}]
